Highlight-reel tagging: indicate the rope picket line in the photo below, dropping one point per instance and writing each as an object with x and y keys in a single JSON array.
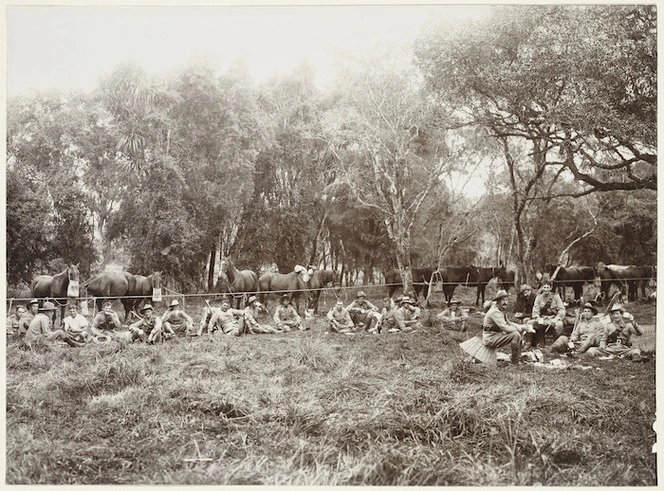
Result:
[{"x": 305, "y": 290}]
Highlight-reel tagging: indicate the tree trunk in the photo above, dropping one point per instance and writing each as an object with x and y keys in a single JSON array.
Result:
[{"x": 213, "y": 258}]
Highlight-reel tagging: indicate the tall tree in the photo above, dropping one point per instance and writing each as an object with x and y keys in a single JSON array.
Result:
[
  {"x": 389, "y": 156},
  {"x": 568, "y": 93}
]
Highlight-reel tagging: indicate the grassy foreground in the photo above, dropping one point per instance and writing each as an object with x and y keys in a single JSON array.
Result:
[{"x": 308, "y": 408}]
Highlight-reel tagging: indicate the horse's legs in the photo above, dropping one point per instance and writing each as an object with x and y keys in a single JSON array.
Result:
[
  {"x": 316, "y": 300},
  {"x": 128, "y": 304},
  {"x": 578, "y": 290}
]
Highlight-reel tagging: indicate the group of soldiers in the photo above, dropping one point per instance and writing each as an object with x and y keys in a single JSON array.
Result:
[
  {"x": 538, "y": 313},
  {"x": 34, "y": 323},
  {"x": 544, "y": 312},
  {"x": 399, "y": 315}
]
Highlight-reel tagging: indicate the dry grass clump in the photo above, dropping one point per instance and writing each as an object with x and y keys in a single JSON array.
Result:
[{"x": 304, "y": 408}]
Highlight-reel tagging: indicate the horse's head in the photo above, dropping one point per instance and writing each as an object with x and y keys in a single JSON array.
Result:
[
  {"x": 74, "y": 276},
  {"x": 73, "y": 273},
  {"x": 224, "y": 264},
  {"x": 156, "y": 280}
]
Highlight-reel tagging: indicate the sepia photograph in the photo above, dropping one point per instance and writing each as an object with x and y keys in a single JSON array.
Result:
[{"x": 331, "y": 245}]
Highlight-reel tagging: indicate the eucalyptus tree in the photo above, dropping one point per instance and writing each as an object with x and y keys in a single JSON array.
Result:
[
  {"x": 284, "y": 223},
  {"x": 568, "y": 93},
  {"x": 389, "y": 156},
  {"x": 45, "y": 164},
  {"x": 216, "y": 136}
]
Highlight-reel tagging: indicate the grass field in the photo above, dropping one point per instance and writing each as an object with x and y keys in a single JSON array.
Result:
[{"x": 306, "y": 408}]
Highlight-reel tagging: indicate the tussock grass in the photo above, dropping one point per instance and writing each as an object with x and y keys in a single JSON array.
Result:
[{"x": 304, "y": 408}]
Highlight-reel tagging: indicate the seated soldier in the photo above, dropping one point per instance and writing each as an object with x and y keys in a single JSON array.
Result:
[
  {"x": 286, "y": 317},
  {"x": 105, "y": 324},
  {"x": 226, "y": 320},
  {"x": 497, "y": 331},
  {"x": 339, "y": 318},
  {"x": 363, "y": 312},
  {"x": 177, "y": 320},
  {"x": 548, "y": 313},
  {"x": 26, "y": 319},
  {"x": 13, "y": 320},
  {"x": 149, "y": 328},
  {"x": 404, "y": 317},
  {"x": 251, "y": 325},
  {"x": 40, "y": 331},
  {"x": 454, "y": 317},
  {"x": 386, "y": 317},
  {"x": 619, "y": 334},
  {"x": 589, "y": 333},
  {"x": 76, "y": 325},
  {"x": 525, "y": 300}
]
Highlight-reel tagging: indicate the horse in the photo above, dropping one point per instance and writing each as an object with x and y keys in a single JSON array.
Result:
[
  {"x": 421, "y": 281},
  {"x": 630, "y": 277},
  {"x": 318, "y": 280},
  {"x": 121, "y": 284},
  {"x": 485, "y": 275},
  {"x": 452, "y": 276},
  {"x": 146, "y": 287},
  {"x": 572, "y": 276},
  {"x": 234, "y": 282},
  {"x": 291, "y": 283},
  {"x": 506, "y": 280},
  {"x": 60, "y": 287}
]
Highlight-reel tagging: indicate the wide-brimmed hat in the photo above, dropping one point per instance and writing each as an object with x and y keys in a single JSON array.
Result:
[
  {"x": 34, "y": 301},
  {"x": 251, "y": 300},
  {"x": 174, "y": 303},
  {"x": 617, "y": 307},
  {"x": 525, "y": 287},
  {"x": 590, "y": 306},
  {"x": 455, "y": 302},
  {"x": 406, "y": 299},
  {"x": 500, "y": 294},
  {"x": 146, "y": 307},
  {"x": 48, "y": 306},
  {"x": 361, "y": 294}
]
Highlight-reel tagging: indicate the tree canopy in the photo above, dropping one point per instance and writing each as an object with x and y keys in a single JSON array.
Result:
[{"x": 554, "y": 105}]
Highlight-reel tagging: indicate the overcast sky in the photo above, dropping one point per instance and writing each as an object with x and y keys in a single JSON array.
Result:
[{"x": 70, "y": 48}]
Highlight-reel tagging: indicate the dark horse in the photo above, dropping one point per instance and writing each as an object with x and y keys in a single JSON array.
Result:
[
  {"x": 290, "y": 283},
  {"x": 320, "y": 279},
  {"x": 453, "y": 276},
  {"x": 60, "y": 287},
  {"x": 132, "y": 289},
  {"x": 572, "y": 276},
  {"x": 234, "y": 282},
  {"x": 506, "y": 280},
  {"x": 484, "y": 276},
  {"x": 421, "y": 281},
  {"x": 625, "y": 277}
]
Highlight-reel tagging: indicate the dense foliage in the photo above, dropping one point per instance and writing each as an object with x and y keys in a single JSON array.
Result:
[{"x": 556, "y": 104}]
